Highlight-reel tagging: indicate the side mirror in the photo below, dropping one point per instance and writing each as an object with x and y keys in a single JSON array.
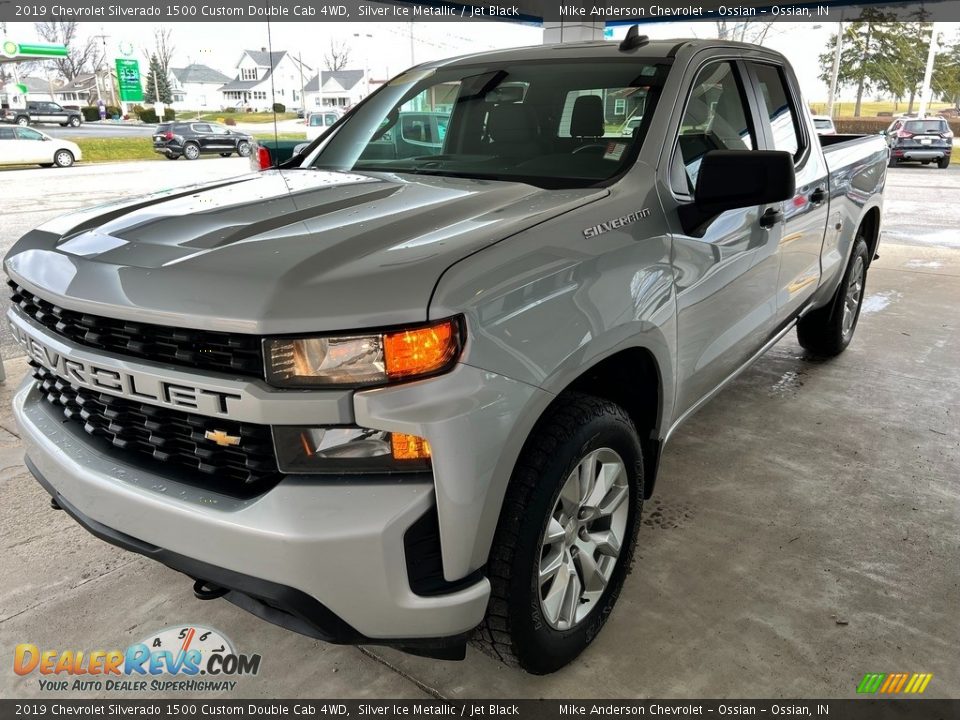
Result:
[
  {"x": 45, "y": 138},
  {"x": 731, "y": 179},
  {"x": 300, "y": 148}
]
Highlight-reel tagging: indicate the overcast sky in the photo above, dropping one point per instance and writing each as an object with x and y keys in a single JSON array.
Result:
[{"x": 388, "y": 49}]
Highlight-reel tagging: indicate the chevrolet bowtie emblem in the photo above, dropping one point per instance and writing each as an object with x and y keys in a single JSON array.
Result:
[{"x": 220, "y": 437}]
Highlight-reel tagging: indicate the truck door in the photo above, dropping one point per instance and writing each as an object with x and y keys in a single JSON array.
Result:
[
  {"x": 726, "y": 274},
  {"x": 805, "y": 215}
]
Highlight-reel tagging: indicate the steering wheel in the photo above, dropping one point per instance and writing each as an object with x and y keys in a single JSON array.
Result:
[{"x": 591, "y": 146}]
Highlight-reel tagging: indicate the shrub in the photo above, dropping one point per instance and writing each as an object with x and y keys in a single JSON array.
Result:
[
  {"x": 148, "y": 115},
  {"x": 230, "y": 121},
  {"x": 169, "y": 114},
  {"x": 279, "y": 108},
  {"x": 230, "y": 110},
  {"x": 90, "y": 113},
  {"x": 871, "y": 126},
  {"x": 113, "y": 110}
]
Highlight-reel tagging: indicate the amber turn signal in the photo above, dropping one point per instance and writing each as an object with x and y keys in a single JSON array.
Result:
[
  {"x": 421, "y": 351},
  {"x": 409, "y": 447}
]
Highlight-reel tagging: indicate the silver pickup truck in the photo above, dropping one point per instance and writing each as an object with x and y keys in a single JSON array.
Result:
[{"x": 419, "y": 399}]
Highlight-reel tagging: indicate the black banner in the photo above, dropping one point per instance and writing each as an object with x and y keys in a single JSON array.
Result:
[
  {"x": 855, "y": 709},
  {"x": 529, "y": 11}
]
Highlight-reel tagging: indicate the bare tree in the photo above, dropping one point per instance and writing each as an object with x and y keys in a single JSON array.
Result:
[
  {"x": 749, "y": 32},
  {"x": 338, "y": 57},
  {"x": 163, "y": 48},
  {"x": 82, "y": 56}
]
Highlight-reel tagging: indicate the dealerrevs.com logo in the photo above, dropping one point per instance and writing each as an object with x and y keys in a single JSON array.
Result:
[{"x": 187, "y": 658}]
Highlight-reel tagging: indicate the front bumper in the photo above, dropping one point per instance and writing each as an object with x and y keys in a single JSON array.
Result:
[{"x": 331, "y": 555}]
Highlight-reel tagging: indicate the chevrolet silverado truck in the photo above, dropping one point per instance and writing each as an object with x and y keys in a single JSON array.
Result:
[{"x": 418, "y": 400}]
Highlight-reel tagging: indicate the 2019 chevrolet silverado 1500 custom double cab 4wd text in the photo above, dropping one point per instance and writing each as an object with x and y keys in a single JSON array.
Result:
[{"x": 415, "y": 399}]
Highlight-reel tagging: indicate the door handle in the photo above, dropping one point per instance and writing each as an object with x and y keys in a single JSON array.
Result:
[
  {"x": 818, "y": 196},
  {"x": 771, "y": 217}
]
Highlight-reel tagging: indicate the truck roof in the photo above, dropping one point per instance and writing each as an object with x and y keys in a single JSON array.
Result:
[{"x": 660, "y": 48}]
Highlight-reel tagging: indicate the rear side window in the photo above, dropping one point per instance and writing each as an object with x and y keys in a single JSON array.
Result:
[
  {"x": 822, "y": 124},
  {"x": 6, "y": 133},
  {"x": 715, "y": 119},
  {"x": 783, "y": 119},
  {"x": 919, "y": 127}
]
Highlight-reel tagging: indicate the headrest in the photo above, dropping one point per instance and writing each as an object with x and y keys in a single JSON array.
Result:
[{"x": 587, "y": 118}]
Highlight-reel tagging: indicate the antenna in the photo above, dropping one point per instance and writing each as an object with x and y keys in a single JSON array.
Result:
[{"x": 633, "y": 40}]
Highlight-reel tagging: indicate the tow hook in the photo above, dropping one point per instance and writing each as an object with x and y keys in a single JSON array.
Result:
[{"x": 203, "y": 590}]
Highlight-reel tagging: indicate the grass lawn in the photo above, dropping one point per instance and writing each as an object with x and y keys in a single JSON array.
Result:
[
  {"x": 125, "y": 149},
  {"x": 240, "y": 117}
]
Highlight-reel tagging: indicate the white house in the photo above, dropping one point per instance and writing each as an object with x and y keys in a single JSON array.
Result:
[
  {"x": 197, "y": 87},
  {"x": 341, "y": 89},
  {"x": 265, "y": 78}
]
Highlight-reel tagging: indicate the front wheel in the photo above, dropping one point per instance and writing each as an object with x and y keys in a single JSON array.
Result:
[
  {"x": 63, "y": 158},
  {"x": 191, "y": 151},
  {"x": 565, "y": 539},
  {"x": 828, "y": 330}
]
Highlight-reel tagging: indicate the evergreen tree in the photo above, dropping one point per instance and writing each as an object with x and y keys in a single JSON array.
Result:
[{"x": 158, "y": 83}]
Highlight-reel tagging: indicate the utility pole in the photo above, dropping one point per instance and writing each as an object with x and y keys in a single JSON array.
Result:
[
  {"x": 303, "y": 103},
  {"x": 925, "y": 90},
  {"x": 835, "y": 72}
]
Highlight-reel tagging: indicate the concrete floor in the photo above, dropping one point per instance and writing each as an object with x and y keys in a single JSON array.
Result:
[{"x": 806, "y": 530}]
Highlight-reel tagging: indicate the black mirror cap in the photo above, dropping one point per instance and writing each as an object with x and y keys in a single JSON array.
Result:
[{"x": 731, "y": 179}]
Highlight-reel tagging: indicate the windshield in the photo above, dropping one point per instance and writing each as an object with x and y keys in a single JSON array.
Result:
[
  {"x": 550, "y": 124},
  {"x": 925, "y": 126}
]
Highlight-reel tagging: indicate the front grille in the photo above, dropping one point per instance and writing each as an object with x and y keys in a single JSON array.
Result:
[
  {"x": 200, "y": 349},
  {"x": 157, "y": 434}
]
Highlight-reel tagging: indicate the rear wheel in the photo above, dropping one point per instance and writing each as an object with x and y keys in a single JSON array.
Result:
[
  {"x": 171, "y": 156},
  {"x": 944, "y": 162},
  {"x": 63, "y": 158},
  {"x": 243, "y": 149},
  {"x": 74, "y": 122},
  {"x": 893, "y": 162},
  {"x": 828, "y": 330},
  {"x": 23, "y": 121},
  {"x": 565, "y": 539},
  {"x": 191, "y": 151}
]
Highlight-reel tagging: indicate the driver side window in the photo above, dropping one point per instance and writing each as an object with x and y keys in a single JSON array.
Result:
[{"x": 715, "y": 118}]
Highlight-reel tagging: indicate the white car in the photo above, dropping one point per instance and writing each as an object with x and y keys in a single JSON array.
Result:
[
  {"x": 630, "y": 125},
  {"x": 319, "y": 122},
  {"x": 823, "y": 124},
  {"x": 28, "y": 146}
]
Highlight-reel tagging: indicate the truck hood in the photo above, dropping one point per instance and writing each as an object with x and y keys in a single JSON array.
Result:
[{"x": 279, "y": 251}]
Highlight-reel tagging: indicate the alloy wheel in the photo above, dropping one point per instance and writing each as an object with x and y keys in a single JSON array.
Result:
[
  {"x": 582, "y": 541},
  {"x": 851, "y": 302}
]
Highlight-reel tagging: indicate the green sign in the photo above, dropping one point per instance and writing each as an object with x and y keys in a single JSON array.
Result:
[{"x": 128, "y": 78}]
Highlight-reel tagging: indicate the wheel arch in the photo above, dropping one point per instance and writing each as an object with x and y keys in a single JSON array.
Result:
[{"x": 869, "y": 229}]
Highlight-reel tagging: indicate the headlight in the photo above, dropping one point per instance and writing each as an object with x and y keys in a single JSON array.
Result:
[
  {"x": 336, "y": 450},
  {"x": 357, "y": 360}
]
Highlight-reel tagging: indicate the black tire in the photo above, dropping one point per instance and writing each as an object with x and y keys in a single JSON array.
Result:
[
  {"x": 23, "y": 121},
  {"x": 74, "y": 121},
  {"x": 892, "y": 162},
  {"x": 943, "y": 163},
  {"x": 63, "y": 158},
  {"x": 516, "y": 629},
  {"x": 823, "y": 331},
  {"x": 244, "y": 148},
  {"x": 171, "y": 156},
  {"x": 46, "y": 165},
  {"x": 191, "y": 151}
]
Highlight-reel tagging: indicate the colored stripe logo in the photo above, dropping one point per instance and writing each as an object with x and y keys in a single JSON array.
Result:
[{"x": 894, "y": 683}]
